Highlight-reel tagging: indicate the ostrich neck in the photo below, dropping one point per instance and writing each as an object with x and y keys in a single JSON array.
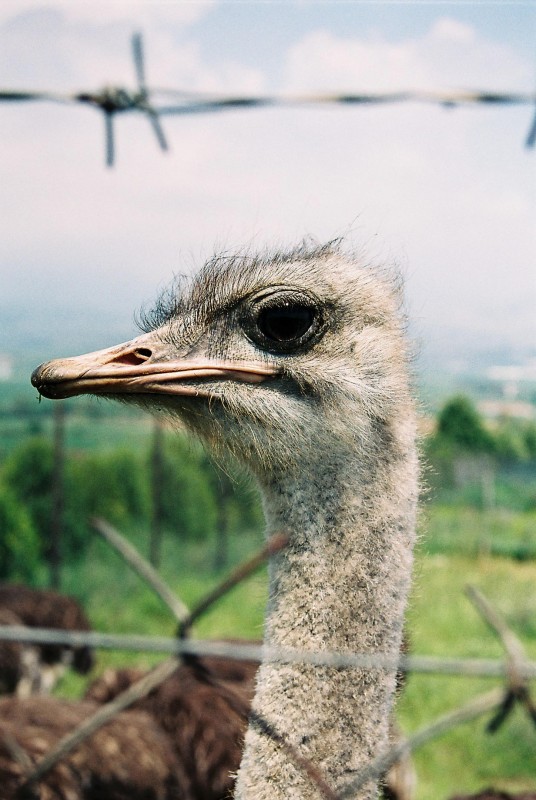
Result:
[{"x": 340, "y": 585}]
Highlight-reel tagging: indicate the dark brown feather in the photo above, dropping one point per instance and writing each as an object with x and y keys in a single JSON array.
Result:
[
  {"x": 128, "y": 759},
  {"x": 203, "y": 709}
]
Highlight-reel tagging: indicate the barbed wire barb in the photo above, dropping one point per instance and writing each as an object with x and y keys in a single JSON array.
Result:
[
  {"x": 143, "y": 92},
  {"x": 517, "y": 671},
  {"x": 517, "y": 691},
  {"x": 165, "y": 669},
  {"x": 476, "y": 707}
]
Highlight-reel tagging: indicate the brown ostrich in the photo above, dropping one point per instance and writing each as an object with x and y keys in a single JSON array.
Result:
[
  {"x": 45, "y": 608},
  {"x": 19, "y": 663},
  {"x": 203, "y": 708},
  {"x": 130, "y": 758},
  {"x": 296, "y": 363}
]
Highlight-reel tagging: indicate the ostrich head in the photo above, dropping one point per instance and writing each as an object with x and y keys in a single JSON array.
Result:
[{"x": 275, "y": 358}]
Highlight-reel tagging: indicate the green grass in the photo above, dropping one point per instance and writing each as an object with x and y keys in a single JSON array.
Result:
[
  {"x": 442, "y": 622},
  {"x": 474, "y": 532}
]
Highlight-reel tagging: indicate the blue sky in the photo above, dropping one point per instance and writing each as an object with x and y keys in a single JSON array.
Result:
[
  {"x": 448, "y": 195},
  {"x": 273, "y": 27}
]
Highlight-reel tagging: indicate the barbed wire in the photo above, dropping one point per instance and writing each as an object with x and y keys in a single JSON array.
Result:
[
  {"x": 112, "y": 100},
  {"x": 426, "y": 665}
]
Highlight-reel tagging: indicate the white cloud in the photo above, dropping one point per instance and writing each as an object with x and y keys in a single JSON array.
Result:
[
  {"x": 454, "y": 31},
  {"x": 449, "y": 55}
]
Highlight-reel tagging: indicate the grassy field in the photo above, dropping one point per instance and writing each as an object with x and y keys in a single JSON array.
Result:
[{"x": 441, "y": 621}]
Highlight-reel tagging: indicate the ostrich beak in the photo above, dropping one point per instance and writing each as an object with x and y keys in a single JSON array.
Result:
[{"x": 142, "y": 366}]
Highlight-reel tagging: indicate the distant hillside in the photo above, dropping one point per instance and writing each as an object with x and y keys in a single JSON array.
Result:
[
  {"x": 446, "y": 359},
  {"x": 39, "y": 334}
]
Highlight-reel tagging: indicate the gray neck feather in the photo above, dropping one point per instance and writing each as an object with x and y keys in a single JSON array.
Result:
[{"x": 341, "y": 585}]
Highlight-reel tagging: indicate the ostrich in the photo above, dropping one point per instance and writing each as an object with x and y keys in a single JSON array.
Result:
[
  {"x": 45, "y": 608},
  {"x": 203, "y": 708},
  {"x": 296, "y": 363},
  {"x": 130, "y": 758},
  {"x": 19, "y": 663}
]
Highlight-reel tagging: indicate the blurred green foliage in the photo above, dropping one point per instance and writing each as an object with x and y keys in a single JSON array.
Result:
[
  {"x": 19, "y": 543},
  {"x": 116, "y": 485},
  {"x": 460, "y": 426},
  {"x": 469, "y": 464},
  {"x": 28, "y": 475}
]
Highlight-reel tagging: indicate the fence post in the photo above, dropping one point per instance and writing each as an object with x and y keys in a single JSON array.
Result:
[
  {"x": 58, "y": 497},
  {"x": 157, "y": 494}
]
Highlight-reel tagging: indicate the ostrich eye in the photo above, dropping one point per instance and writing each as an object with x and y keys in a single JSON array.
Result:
[
  {"x": 283, "y": 321},
  {"x": 286, "y": 323}
]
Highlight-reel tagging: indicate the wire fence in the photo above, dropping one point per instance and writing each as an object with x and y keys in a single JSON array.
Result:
[
  {"x": 425, "y": 665},
  {"x": 153, "y": 103},
  {"x": 515, "y": 671}
]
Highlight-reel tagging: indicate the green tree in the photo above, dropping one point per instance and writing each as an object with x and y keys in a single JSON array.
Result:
[
  {"x": 113, "y": 486},
  {"x": 460, "y": 449},
  {"x": 512, "y": 441},
  {"x": 530, "y": 439},
  {"x": 187, "y": 502},
  {"x": 28, "y": 474},
  {"x": 237, "y": 504},
  {"x": 460, "y": 424},
  {"x": 19, "y": 543}
]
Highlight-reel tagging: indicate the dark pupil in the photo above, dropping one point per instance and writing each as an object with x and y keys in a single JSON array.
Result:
[{"x": 285, "y": 323}]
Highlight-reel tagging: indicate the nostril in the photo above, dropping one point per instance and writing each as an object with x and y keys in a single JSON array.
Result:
[
  {"x": 134, "y": 357},
  {"x": 144, "y": 353}
]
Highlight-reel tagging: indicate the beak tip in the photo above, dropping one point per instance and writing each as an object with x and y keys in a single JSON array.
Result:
[
  {"x": 40, "y": 380},
  {"x": 36, "y": 379}
]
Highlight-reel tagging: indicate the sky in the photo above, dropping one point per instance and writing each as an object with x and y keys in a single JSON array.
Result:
[{"x": 448, "y": 195}]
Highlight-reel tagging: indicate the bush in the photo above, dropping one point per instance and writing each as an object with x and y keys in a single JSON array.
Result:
[
  {"x": 197, "y": 499},
  {"x": 113, "y": 486},
  {"x": 19, "y": 543},
  {"x": 187, "y": 495},
  {"x": 515, "y": 440},
  {"x": 460, "y": 424},
  {"x": 28, "y": 474}
]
